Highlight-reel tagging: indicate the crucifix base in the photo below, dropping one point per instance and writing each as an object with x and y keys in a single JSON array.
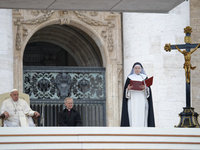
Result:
[{"x": 188, "y": 118}]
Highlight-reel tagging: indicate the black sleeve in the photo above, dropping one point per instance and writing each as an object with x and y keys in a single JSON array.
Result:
[
  {"x": 61, "y": 119},
  {"x": 151, "y": 120},
  {"x": 78, "y": 119},
  {"x": 124, "y": 114}
]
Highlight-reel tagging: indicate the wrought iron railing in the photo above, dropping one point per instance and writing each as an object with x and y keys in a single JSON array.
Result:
[{"x": 49, "y": 86}]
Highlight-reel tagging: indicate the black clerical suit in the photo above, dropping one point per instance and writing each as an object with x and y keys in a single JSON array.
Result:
[{"x": 72, "y": 119}]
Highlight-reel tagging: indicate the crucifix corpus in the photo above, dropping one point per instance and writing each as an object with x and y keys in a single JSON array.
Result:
[{"x": 188, "y": 118}]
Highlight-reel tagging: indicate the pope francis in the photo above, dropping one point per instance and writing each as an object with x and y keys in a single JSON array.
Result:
[{"x": 17, "y": 111}]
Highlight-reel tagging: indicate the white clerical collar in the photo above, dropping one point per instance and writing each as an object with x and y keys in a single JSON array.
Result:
[{"x": 15, "y": 101}]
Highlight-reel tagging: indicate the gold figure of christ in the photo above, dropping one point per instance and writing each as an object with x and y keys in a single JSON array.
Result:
[{"x": 187, "y": 65}]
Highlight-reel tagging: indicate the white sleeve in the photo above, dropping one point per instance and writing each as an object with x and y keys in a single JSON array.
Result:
[
  {"x": 147, "y": 92},
  {"x": 3, "y": 107},
  {"x": 27, "y": 110},
  {"x": 127, "y": 94}
]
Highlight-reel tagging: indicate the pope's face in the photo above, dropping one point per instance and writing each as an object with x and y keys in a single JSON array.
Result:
[
  {"x": 69, "y": 103},
  {"x": 14, "y": 95},
  {"x": 137, "y": 69}
]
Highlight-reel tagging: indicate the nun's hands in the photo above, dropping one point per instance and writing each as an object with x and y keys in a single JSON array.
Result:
[
  {"x": 130, "y": 87},
  {"x": 142, "y": 87}
]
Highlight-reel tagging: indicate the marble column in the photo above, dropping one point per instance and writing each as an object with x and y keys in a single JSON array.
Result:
[{"x": 6, "y": 50}]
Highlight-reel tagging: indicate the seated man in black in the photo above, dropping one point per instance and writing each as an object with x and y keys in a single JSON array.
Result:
[{"x": 69, "y": 116}]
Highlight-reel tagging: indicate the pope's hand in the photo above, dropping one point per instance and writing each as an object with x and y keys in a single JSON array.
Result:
[
  {"x": 6, "y": 114},
  {"x": 36, "y": 114}
]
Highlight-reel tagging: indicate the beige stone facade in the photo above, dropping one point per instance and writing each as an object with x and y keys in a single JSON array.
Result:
[
  {"x": 6, "y": 51},
  {"x": 104, "y": 28},
  {"x": 195, "y": 61}
]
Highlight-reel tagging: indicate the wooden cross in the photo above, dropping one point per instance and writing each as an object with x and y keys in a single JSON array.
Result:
[{"x": 187, "y": 55}]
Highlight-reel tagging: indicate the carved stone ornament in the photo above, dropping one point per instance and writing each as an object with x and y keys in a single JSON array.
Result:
[
  {"x": 39, "y": 17},
  {"x": 107, "y": 33},
  {"x": 36, "y": 17},
  {"x": 64, "y": 17}
]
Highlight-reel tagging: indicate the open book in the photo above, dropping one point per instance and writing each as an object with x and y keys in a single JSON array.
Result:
[{"x": 137, "y": 85}]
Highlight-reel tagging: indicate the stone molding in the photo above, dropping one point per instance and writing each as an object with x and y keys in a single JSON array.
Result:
[{"x": 64, "y": 17}]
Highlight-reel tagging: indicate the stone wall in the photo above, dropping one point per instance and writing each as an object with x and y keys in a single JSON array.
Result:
[
  {"x": 6, "y": 51},
  {"x": 195, "y": 61},
  {"x": 145, "y": 36}
]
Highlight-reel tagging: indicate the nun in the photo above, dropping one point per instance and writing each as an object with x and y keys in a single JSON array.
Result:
[{"x": 137, "y": 106}]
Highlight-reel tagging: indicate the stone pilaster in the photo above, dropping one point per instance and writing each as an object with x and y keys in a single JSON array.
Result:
[
  {"x": 195, "y": 61},
  {"x": 6, "y": 51}
]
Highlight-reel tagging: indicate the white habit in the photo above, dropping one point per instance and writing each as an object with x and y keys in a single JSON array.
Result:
[
  {"x": 19, "y": 112},
  {"x": 137, "y": 104}
]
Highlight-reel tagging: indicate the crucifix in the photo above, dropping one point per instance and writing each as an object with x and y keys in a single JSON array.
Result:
[
  {"x": 15, "y": 111},
  {"x": 188, "y": 118}
]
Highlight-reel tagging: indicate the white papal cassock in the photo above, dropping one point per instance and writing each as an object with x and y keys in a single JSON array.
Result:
[{"x": 20, "y": 113}]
